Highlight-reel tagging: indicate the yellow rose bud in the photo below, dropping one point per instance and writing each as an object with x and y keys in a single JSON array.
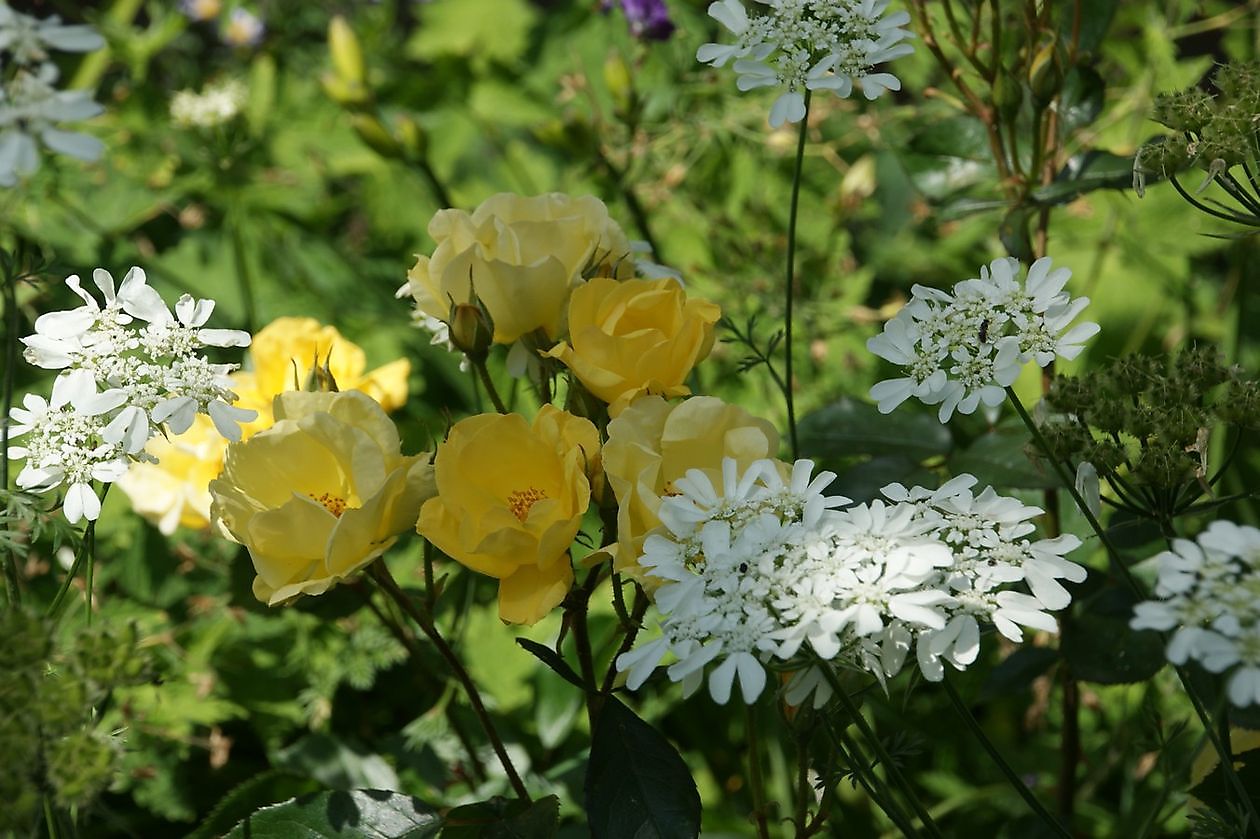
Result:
[
  {"x": 523, "y": 256},
  {"x": 470, "y": 330},
  {"x": 635, "y": 337},
  {"x": 652, "y": 443},
  {"x": 320, "y": 494},
  {"x": 510, "y": 499}
]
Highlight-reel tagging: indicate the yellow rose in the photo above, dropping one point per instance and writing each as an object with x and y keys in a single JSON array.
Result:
[
  {"x": 510, "y": 499},
  {"x": 652, "y": 443},
  {"x": 282, "y": 355},
  {"x": 522, "y": 256},
  {"x": 635, "y": 337},
  {"x": 173, "y": 492},
  {"x": 320, "y": 494}
]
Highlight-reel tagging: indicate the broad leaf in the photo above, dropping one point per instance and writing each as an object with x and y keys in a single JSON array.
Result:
[
  {"x": 637, "y": 785},
  {"x": 1084, "y": 173},
  {"x": 1100, "y": 647},
  {"x": 500, "y": 818},
  {"x": 999, "y": 458},
  {"x": 343, "y": 814},
  {"x": 848, "y": 427}
]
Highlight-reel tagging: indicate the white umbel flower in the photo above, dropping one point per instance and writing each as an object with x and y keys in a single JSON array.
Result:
[
  {"x": 762, "y": 568},
  {"x": 961, "y": 349},
  {"x": 126, "y": 368},
  {"x": 1208, "y": 596},
  {"x": 800, "y": 45}
]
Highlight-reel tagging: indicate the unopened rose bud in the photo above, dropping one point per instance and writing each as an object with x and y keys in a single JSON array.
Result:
[
  {"x": 347, "y": 55},
  {"x": 1045, "y": 76},
  {"x": 471, "y": 331},
  {"x": 371, "y": 131}
]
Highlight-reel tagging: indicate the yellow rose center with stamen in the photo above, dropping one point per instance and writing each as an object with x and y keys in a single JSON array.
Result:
[
  {"x": 331, "y": 503},
  {"x": 520, "y": 501}
]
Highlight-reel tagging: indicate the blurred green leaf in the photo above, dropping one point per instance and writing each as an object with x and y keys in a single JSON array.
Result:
[
  {"x": 637, "y": 785},
  {"x": 1095, "y": 20},
  {"x": 500, "y": 818},
  {"x": 998, "y": 458},
  {"x": 863, "y": 481},
  {"x": 1017, "y": 671},
  {"x": 343, "y": 814},
  {"x": 848, "y": 427},
  {"x": 1100, "y": 647},
  {"x": 484, "y": 30},
  {"x": 335, "y": 764},
  {"x": 1084, "y": 173}
]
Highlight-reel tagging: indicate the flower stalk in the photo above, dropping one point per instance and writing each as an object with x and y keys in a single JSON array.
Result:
[{"x": 789, "y": 290}]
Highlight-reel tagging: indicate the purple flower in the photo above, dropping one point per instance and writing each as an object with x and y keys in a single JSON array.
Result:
[{"x": 648, "y": 19}]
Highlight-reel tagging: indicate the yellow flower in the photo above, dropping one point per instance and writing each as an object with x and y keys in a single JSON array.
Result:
[
  {"x": 635, "y": 337},
  {"x": 173, "y": 492},
  {"x": 283, "y": 353},
  {"x": 651, "y": 444},
  {"x": 320, "y": 494},
  {"x": 522, "y": 256},
  {"x": 510, "y": 499}
]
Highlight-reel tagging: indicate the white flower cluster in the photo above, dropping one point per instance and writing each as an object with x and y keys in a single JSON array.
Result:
[
  {"x": 127, "y": 368},
  {"x": 754, "y": 571},
  {"x": 961, "y": 349},
  {"x": 804, "y": 45},
  {"x": 216, "y": 105},
  {"x": 1209, "y": 592},
  {"x": 31, "y": 106}
]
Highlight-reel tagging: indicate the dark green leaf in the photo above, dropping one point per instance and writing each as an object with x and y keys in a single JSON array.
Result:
[
  {"x": 352, "y": 814},
  {"x": 998, "y": 458},
  {"x": 1084, "y": 93},
  {"x": 1096, "y": 16},
  {"x": 1100, "y": 647},
  {"x": 864, "y": 481},
  {"x": 847, "y": 427},
  {"x": 637, "y": 785},
  {"x": 336, "y": 764},
  {"x": 266, "y": 787},
  {"x": 1017, "y": 672},
  {"x": 552, "y": 659},
  {"x": 500, "y": 818},
  {"x": 1084, "y": 173}
]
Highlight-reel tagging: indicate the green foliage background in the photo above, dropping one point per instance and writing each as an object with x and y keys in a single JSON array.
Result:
[{"x": 510, "y": 95}]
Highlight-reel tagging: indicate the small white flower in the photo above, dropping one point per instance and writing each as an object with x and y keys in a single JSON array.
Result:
[
  {"x": 815, "y": 45},
  {"x": 961, "y": 350},
  {"x": 1208, "y": 594}
]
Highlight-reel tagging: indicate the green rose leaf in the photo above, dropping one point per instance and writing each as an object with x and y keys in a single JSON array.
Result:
[
  {"x": 637, "y": 785},
  {"x": 1100, "y": 647},
  {"x": 847, "y": 427},
  {"x": 360, "y": 813}
]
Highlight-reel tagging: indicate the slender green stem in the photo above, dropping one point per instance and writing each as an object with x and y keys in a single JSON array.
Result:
[
  {"x": 479, "y": 364},
  {"x": 90, "y": 537},
  {"x": 12, "y": 590},
  {"x": 789, "y": 290},
  {"x": 880, "y": 752},
  {"x": 50, "y": 819},
  {"x": 1117, "y": 563},
  {"x": 875, "y": 787},
  {"x": 1011, "y": 776},
  {"x": 440, "y": 192},
  {"x": 244, "y": 278},
  {"x": 756, "y": 783},
  {"x": 380, "y": 573}
]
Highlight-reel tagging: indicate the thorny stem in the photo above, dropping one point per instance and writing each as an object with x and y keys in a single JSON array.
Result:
[
  {"x": 1011, "y": 776},
  {"x": 577, "y": 607},
  {"x": 789, "y": 289},
  {"x": 756, "y": 782},
  {"x": 632, "y": 623},
  {"x": 380, "y": 573}
]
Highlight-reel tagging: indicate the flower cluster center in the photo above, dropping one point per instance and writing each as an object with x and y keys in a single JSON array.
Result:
[
  {"x": 520, "y": 501},
  {"x": 332, "y": 503}
]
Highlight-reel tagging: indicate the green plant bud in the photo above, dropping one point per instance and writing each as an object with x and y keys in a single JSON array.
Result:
[
  {"x": 1239, "y": 84},
  {"x": 1202, "y": 365},
  {"x": 1070, "y": 394},
  {"x": 1164, "y": 466},
  {"x": 80, "y": 766},
  {"x": 1106, "y": 455},
  {"x": 375, "y": 135},
  {"x": 619, "y": 82},
  {"x": 344, "y": 93},
  {"x": 471, "y": 330},
  {"x": 1239, "y": 404},
  {"x": 347, "y": 55},
  {"x": 1228, "y": 137},
  {"x": 1185, "y": 110},
  {"x": 1181, "y": 424},
  {"x": 1008, "y": 94},
  {"x": 1045, "y": 75},
  {"x": 413, "y": 138},
  {"x": 1110, "y": 414}
]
